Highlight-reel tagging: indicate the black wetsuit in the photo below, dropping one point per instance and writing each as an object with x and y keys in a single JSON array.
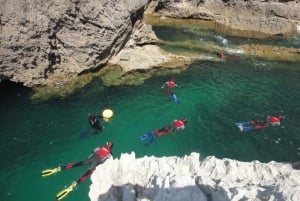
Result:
[{"x": 94, "y": 122}]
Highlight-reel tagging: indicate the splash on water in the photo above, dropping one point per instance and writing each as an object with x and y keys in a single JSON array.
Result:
[
  {"x": 223, "y": 40},
  {"x": 235, "y": 51}
]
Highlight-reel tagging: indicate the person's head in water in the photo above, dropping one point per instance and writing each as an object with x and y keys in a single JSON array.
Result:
[
  {"x": 221, "y": 55},
  {"x": 184, "y": 120}
]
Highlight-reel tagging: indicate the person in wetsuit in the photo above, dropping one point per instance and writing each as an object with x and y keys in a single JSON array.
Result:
[
  {"x": 169, "y": 85},
  {"x": 176, "y": 125},
  {"x": 98, "y": 155},
  {"x": 94, "y": 122},
  {"x": 255, "y": 125},
  {"x": 270, "y": 121}
]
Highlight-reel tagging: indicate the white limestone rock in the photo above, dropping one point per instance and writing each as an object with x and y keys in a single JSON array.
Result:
[{"x": 189, "y": 179}]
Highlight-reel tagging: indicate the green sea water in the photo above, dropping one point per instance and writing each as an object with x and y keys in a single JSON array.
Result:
[{"x": 213, "y": 96}]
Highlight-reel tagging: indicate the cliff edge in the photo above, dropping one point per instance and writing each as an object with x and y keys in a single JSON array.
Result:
[{"x": 186, "y": 178}]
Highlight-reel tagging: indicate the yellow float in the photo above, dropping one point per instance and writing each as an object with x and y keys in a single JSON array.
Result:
[{"x": 107, "y": 114}]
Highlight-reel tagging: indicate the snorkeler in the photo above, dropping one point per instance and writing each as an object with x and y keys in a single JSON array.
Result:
[
  {"x": 176, "y": 125},
  {"x": 98, "y": 155},
  {"x": 169, "y": 86},
  {"x": 94, "y": 122},
  {"x": 256, "y": 125}
]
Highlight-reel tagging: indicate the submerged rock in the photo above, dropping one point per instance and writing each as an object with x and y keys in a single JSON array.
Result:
[{"x": 187, "y": 178}]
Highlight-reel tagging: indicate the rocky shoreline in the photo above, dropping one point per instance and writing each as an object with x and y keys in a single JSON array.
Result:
[
  {"x": 50, "y": 44},
  {"x": 189, "y": 178},
  {"x": 236, "y": 17}
]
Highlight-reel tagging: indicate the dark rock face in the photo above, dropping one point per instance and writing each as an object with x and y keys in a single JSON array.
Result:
[{"x": 43, "y": 41}]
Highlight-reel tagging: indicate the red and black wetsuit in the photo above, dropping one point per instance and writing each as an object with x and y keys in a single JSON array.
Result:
[
  {"x": 170, "y": 86},
  {"x": 258, "y": 124},
  {"x": 99, "y": 155},
  {"x": 177, "y": 125},
  {"x": 165, "y": 130}
]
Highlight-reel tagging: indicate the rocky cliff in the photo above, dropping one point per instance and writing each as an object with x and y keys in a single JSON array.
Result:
[
  {"x": 255, "y": 17},
  {"x": 187, "y": 178},
  {"x": 43, "y": 41},
  {"x": 48, "y": 42}
]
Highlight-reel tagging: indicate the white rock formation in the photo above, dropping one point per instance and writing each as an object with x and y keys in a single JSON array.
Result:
[{"x": 189, "y": 179}]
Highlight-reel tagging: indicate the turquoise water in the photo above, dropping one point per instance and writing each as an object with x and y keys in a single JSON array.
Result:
[{"x": 213, "y": 96}]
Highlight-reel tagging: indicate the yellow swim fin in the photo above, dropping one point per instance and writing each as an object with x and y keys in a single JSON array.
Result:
[
  {"x": 66, "y": 191},
  {"x": 49, "y": 172}
]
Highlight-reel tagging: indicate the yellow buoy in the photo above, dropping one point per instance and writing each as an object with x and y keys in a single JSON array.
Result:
[{"x": 107, "y": 114}]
